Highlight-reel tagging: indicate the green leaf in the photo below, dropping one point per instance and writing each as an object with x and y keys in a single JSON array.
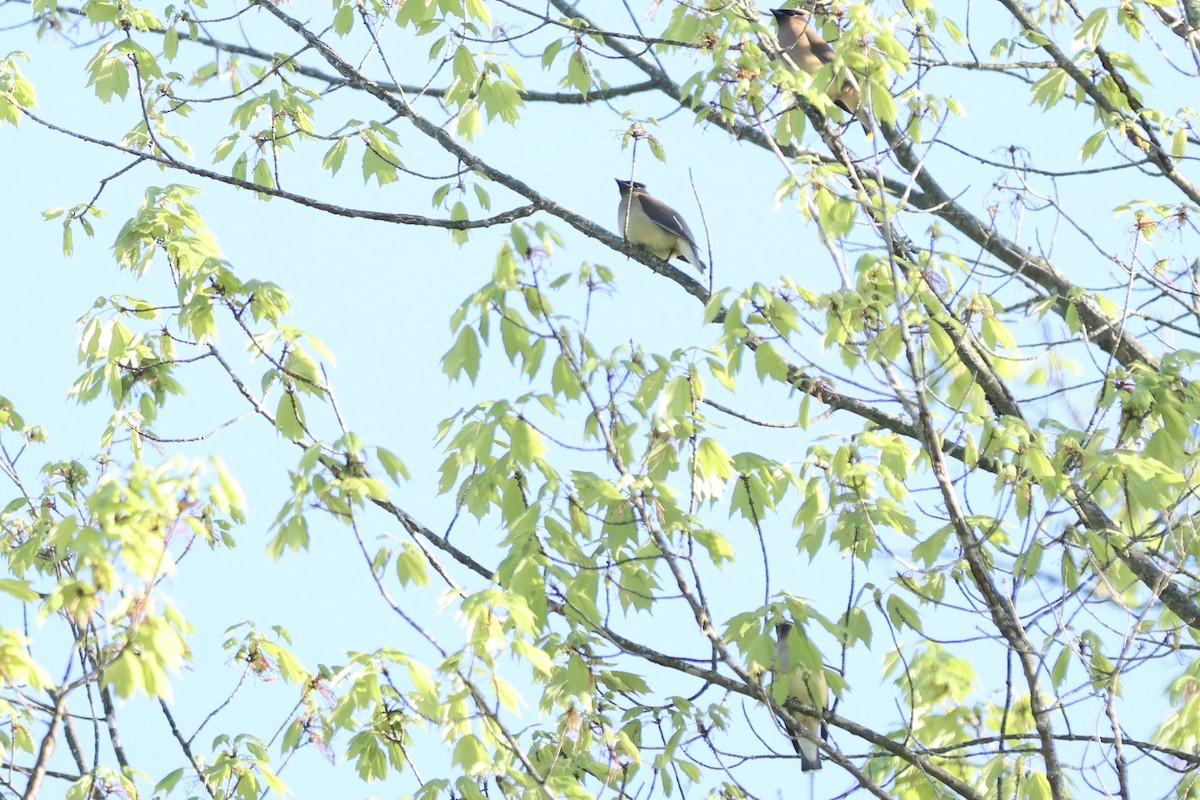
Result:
[
  {"x": 769, "y": 364},
  {"x": 168, "y": 783},
  {"x": 292, "y": 536},
  {"x": 459, "y": 213},
  {"x": 720, "y": 550},
  {"x": 955, "y": 32},
  {"x": 1089, "y": 33},
  {"x": 223, "y": 148},
  {"x": 140, "y": 58},
  {"x": 996, "y": 334},
  {"x": 551, "y": 52},
  {"x": 579, "y": 74},
  {"x": 563, "y": 381},
  {"x": 262, "y": 174},
  {"x": 527, "y": 445},
  {"x": 412, "y": 566},
  {"x": 124, "y": 674},
  {"x": 714, "y": 468},
  {"x": 1059, "y": 672},
  {"x": 335, "y": 155},
  {"x": 471, "y": 755},
  {"x": 289, "y": 417},
  {"x": 170, "y": 43},
  {"x": 464, "y": 356},
  {"x": 902, "y": 614},
  {"x": 109, "y": 74},
  {"x": 239, "y": 167},
  {"x": 343, "y": 20},
  {"x": 1092, "y": 145},
  {"x": 1179, "y": 142},
  {"x": 18, "y": 589},
  {"x": 199, "y": 317},
  {"x": 1038, "y": 786},
  {"x": 101, "y": 11},
  {"x": 501, "y": 99},
  {"x": 465, "y": 70},
  {"x": 1050, "y": 88},
  {"x": 392, "y": 465},
  {"x": 477, "y": 9},
  {"x": 470, "y": 123},
  {"x": 379, "y": 160}
]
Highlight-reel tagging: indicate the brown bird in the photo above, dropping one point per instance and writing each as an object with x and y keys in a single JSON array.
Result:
[
  {"x": 805, "y": 48},
  {"x": 648, "y": 221},
  {"x": 807, "y": 687}
]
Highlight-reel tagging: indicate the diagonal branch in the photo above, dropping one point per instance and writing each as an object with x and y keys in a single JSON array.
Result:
[
  {"x": 1161, "y": 158},
  {"x": 1102, "y": 329}
]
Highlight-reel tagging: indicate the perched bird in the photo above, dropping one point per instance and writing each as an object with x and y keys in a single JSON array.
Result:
[
  {"x": 806, "y": 50},
  {"x": 648, "y": 221},
  {"x": 806, "y": 686}
]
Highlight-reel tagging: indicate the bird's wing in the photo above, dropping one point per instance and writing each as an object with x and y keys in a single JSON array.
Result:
[
  {"x": 820, "y": 48},
  {"x": 666, "y": 218}
]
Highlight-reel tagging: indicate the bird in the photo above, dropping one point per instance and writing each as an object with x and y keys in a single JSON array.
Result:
[
  {"x": 806, "y": 50},
  {"x": 806, "y": 686},
  {"x": 648, "y": 221}
]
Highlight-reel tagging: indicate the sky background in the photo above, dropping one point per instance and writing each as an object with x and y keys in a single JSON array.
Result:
[{"x": 381, "y": 297}]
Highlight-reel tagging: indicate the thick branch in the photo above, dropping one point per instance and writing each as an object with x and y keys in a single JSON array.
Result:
[
  {"x": 715, "y": 678},
  {"x": 46, "y": 749},
  {"x": 1106, "y": 332},
  {"x": 1000, "y": 608},
  {"x": 1161, "y": 158}
]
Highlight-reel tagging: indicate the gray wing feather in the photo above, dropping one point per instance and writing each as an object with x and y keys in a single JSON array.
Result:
[
  {"x": 825, "y": 52},
  {"x": 820, "y": 48},
  {"x": 666, "y": 218}
]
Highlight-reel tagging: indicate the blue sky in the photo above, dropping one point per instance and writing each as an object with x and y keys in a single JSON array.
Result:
[{"x": 381, "y": 297}]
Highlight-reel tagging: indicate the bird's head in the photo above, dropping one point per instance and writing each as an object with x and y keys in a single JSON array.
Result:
[
  {"x": 785, "y": 14},
  {"x": 626, "y": 187}
]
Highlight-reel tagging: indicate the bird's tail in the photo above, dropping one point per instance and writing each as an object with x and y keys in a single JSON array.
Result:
[
  {"x": 849, "y": 102},
  {"x": 810, "y": 756}
]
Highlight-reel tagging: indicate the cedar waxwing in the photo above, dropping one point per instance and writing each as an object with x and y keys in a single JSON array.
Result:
[
  {"x": 807, "y": 687},
  {"x": 809, "y": 52},
  {"x": 653, "y": 224}
]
